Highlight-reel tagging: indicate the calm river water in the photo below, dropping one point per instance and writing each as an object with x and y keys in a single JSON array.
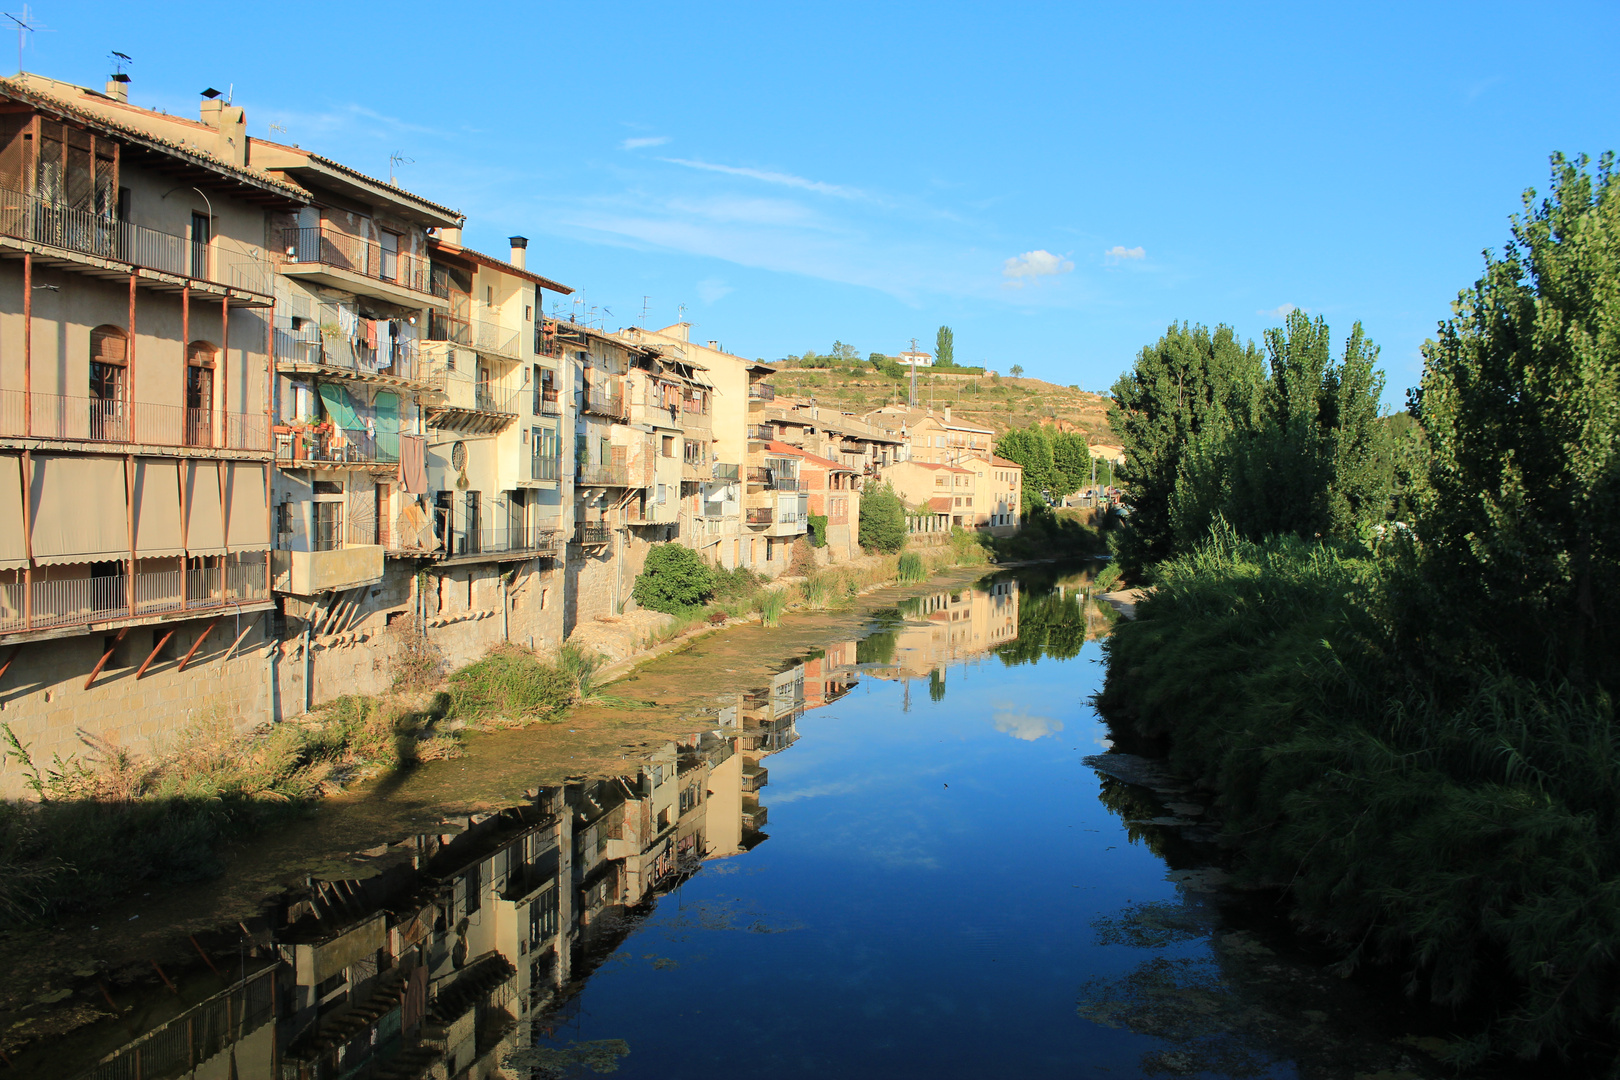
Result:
[{"x": 903, "y": 858}]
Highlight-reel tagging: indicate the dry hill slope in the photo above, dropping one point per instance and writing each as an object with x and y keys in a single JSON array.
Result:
[{"x": 991, "y": 402}]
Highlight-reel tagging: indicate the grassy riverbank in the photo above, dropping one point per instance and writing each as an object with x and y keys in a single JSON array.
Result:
[
  {"x": 1461, "y": 822},
  {"x": 109, "y": 821}
]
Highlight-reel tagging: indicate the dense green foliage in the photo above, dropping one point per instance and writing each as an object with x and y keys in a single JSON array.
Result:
[
  {"x": 1032, "y": 450},
  {"x": 945, "y": 348},
  {"x": 1048, "y": 534},
  {"x": 818, "y": 530},
  {"x": 883, "y": 520},
  {"x": 513, "y": 684},
  {"x": 1411, "y": 727},
  {"x": 674, "y": 578},
  {"x": 911, "y": 569}
]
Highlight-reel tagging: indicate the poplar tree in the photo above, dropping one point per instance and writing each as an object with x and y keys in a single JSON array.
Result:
[{"x": 945, "y": 348}]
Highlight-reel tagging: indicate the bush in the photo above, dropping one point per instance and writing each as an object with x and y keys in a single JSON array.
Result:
[
  {"x": 818, "y": 530},
  {"x": 911, "y": 568},
  {"x": 673, "y": 579},
  {"x": 883, "y": 521}
]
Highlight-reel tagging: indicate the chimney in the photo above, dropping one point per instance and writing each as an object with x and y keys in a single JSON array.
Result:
[
  {"x": 520, "y": 248},
  {"x": 715, "y": 345},
  {"x": 451, "y": 236},
  {"x": 230, "y": 130},
  {"x": 947, "y": 414},
  {"x": 118, "y": 88}
]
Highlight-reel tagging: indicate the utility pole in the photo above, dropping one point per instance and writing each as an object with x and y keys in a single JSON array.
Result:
[{"x": 912, "y": 403}]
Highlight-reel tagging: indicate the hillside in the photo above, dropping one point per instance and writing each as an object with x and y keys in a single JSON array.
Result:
[{"x": 994, "y": 402}]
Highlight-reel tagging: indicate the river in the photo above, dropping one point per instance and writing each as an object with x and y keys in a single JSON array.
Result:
[{"x": 913, "y": 853}]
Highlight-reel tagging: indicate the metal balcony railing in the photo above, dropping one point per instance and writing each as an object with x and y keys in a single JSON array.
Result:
[
  {"x": 492, "y": 399},
  {"x": 725, "y": 472},
  {"x": 762, "y": 392},
  {"x": 29, "y": 217},
  {"x": 593, "y": 532},
  {"x": 545, "y": 468},
  {"x": 355, "y": 446},
  {"x": 344, "y": 251},
  {"x": 497, "y": 340},
  {"x": 307, "y": 345},
  {"x": 546, "y": 402},
  {"x": 760, "y": 515},
  {"x": 789, "y": 517},
  {"x": 513, "y": 540},
  {"x": 602, "y": 475},
  {"x": 77, "y": 601},
  {"x": 94, "y": 419},
  {"x": 604, "y": 402},
  {"x": 761, "y": 432}
]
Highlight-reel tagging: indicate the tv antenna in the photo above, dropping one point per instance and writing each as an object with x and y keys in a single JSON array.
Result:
[
  {"x": 119, "y": 61},
  {"x": 644, "y": 301},
  {"x": 25, "y": 26},
  {"x": 395, "y": 160},
  {"x": 278, "y": 127}
]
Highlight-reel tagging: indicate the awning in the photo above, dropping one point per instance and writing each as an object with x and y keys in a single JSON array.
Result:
[
  {"x": 205, "y": 527},
  {"x": 80, "y": 511},
  {"x": 13, "y": 551},
  {"x": 157, "y": 508},
  {"x": 247, "y": 507},
  {"x": 338, "y": 408}
]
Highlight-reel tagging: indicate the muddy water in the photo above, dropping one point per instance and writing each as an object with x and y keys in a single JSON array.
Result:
[{"x": 891, "y": 843}]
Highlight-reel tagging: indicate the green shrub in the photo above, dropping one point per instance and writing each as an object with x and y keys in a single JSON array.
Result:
[
  {"x": 883, "y": 520},
  {"x": 818, "y": 530},
  {"x": 911, "y": 569},
  {"x": 673, "y": 579}
]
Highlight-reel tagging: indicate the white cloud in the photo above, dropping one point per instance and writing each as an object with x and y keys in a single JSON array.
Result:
[
  {"x": 1120, "y": 253},
  {"x": 1034, "y": 264},
  {"x": 644, "y": 140},
  {"x": 786, "y": 179},
  {"x": 1281, "y": 311},
  {"x": 1021, "y": 725},
  {"x": 712, "y": 289}
]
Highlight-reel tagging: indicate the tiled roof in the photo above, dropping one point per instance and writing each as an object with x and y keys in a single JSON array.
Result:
[{"x": 814, "y": 459}]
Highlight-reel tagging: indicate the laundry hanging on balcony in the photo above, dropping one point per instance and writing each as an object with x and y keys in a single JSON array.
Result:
[
  {"x": 61, "y": 490},
  {"x": 413, "y": 464},
  {"x": 339, "y": 409}
]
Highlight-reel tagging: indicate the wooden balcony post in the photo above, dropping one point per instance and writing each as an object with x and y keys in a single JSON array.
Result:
[
  {"x": 28, "y": 350},
  {"x": 270, "y": 383},
  {"x": 129, "y": 521},
  {"x": 224, "y": 370},
  {"x": 186, "y": 469},
  {"x": 129, "y": 362},
  {"x": 28, "y": 537},
  {"x": 185, "y": 366}
]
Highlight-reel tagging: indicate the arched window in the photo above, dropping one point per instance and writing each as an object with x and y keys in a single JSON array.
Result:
[
  {"x": 109, "y": 363},
  {"x": 200, "y": 359}
]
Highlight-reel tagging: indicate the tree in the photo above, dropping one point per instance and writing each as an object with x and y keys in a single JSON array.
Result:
[
  {"x": 840, "y": 351},
  {"x": 1016, "y": 371},
  {"x": 1071, "y": 463},
  {"x": 944, "y": 348},
  {"x": 1518, "y": 403},
  {"x": 1309, "y": 463},
  {"x": 1030, "y": 448},
  {"x": 674, "y": 577},
  {"x": 1190, "y": 384},
  {"x": 883, "y": 520}
]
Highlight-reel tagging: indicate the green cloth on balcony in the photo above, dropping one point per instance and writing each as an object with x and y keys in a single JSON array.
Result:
[{"x": 339, "y": 409}]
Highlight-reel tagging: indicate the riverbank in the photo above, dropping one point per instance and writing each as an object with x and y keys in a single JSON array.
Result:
[{"x": 658, "y": 695}]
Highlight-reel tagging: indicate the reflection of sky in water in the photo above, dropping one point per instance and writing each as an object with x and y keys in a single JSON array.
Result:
[{"x": 936, "y": 884}]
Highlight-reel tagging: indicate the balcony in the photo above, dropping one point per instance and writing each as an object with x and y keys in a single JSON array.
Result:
[
  {"x": 469, "y": 406},
  {"x": 489, "y": 338},
  {"x": 762, "y": 392},
  {"x": 139, "y": 423},
  {"x": 42, "y": 221},
  {"x": 306, "y": 573},
  {"x": 593, "y": 533},
  {"x": 760, "y": 515},
  {"x": 49, "y": 605},
  {"x": 545, "y": 469},
  {"x": 725, "y": 472},
  {"x": 761, "y": 433},
  {"x": 547, "y": 404},
  {"x": 502, "y": 545},
  {"x": 601, "y": 401},
  {"x": 308, "y": 350},
  {"x": 754, "y": 779},
  {"x": 340, "y": 446},
  {"x": 588, "y": 475},
  {"x": 332, "y": 257}
]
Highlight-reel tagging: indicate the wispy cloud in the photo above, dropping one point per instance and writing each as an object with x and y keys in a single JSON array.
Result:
[
  {"x": 643, "y": 140},
  {"x": 1281, "y": 311},
  {"x": 712, "y": 289},
  {"x": 1032, "y": 265},
  {"x": 766, "y": 176},
  {"x": 1120, "y": 253}
]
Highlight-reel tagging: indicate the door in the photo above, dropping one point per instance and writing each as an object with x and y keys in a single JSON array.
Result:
[
  {"x": 473, "y": 524},
  {"x": 390, "y": 256},
  {"x": 199, "y": 405},
  {"x": 383, "y": 500},
  {"x": 201, "y": 233},
  {"x": 443, "y": 523}
]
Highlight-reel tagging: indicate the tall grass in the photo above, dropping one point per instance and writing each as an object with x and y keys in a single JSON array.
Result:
[
  {"x": 512, "y": 685},
  {"x": 772, "y": 602},
  {"x": 1471, "y": 835},
  {"x": 911, "y": 569}
]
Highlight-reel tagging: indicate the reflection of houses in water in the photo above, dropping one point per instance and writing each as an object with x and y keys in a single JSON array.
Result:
[{"x": 946, "y": 627}]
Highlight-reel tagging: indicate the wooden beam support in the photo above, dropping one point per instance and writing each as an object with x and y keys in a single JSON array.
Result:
[
  {"x": 5, "y": 667},
  {"x": 200, "y": 639},
  {"x": 141, "y": 671},
  {"x": 245, "y": 631},
  {"x": 105, "y": 657}
]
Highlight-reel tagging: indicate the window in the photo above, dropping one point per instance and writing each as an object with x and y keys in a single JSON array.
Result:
[
  {"x": 662, "y": 489},
  {"x": 537, "y": 383},
  {"x": 327, "y": 518},
  {"x": 939, "y": 481},
  {"x": 390, "y": 255},
  {"x": 201, "y": 233},
  {"x": 669, "y": 448},
  {"x": 489, "y": 296}
]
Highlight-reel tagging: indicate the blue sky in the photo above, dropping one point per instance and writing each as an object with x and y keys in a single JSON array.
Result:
[{"x": 1057, "y": 182}]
